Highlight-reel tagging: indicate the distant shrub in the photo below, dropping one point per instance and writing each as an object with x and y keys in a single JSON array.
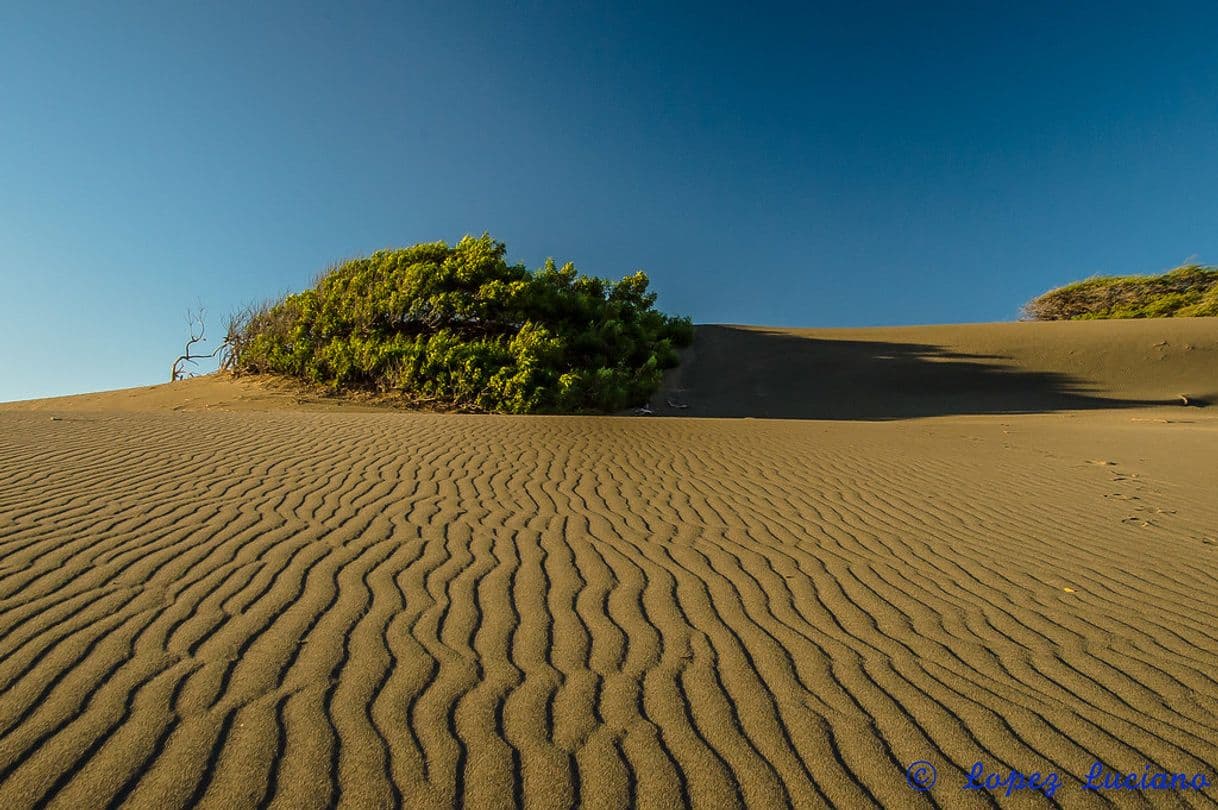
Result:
[
  {"x": 1187, "y": 291},
  {"x": 460, "y": 327}
]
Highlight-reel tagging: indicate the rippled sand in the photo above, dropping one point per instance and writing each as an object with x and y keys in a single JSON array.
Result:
[{"x": 218, "y": 593}]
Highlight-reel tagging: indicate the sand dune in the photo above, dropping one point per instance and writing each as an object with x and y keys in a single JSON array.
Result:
[
  {"x": 226, "y": 593},
  {"x": 907, "y": 371}
]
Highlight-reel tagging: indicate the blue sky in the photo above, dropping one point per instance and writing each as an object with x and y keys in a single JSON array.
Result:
[{"x": 807, "y": 164}]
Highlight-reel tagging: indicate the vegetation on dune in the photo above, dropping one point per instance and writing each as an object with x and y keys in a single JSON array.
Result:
[
  {"x": 1188, "y": 291},
  {"x": 460, "y": 327}
]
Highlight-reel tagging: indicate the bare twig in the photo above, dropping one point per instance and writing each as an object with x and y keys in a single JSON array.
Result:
[{"x": 198, "y": 331}]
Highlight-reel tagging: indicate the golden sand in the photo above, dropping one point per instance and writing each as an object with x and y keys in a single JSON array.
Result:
[{"x": 976, "y": 543}]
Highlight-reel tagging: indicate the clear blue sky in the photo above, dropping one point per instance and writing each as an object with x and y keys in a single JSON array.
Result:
[{"x": 829, "y": 164}]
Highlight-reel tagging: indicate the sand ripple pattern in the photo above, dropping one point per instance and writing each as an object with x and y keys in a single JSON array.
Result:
[{"x": 298, "y": 610}]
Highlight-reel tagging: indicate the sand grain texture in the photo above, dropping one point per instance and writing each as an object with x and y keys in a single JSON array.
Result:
[{"x": 214, "y": 594}]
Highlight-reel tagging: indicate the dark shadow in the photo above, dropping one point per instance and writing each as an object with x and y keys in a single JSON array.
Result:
[{"x": 736, "y": 372}]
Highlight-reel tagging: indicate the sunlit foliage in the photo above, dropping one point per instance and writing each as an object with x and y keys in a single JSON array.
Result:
[
  {"x": 460, "y": 327},
  {"x": 1187, "y": 291}
]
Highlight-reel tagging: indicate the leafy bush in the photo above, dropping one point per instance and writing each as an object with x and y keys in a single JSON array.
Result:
[
  {"x": 1187, "y": 291},
  {"x": 460, "y": 327}
]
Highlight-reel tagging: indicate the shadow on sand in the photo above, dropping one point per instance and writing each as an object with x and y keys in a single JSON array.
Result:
[{"x": 737, "y": 372}]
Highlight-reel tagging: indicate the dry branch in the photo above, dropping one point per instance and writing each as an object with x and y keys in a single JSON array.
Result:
[{"x": 198, "y": 334}]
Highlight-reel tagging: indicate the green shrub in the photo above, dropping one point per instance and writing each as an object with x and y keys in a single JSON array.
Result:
[
  {"x": 460, "y": 327},
  {"x": 1187, "y": 291}
]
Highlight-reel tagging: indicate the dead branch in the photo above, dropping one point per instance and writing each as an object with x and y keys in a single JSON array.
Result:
[{"x": 198, "y": 334}]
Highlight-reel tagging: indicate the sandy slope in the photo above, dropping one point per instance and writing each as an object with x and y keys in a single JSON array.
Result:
[
  {"x": 896, "y": 372},
  {"x": 216, "y": 594}
]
